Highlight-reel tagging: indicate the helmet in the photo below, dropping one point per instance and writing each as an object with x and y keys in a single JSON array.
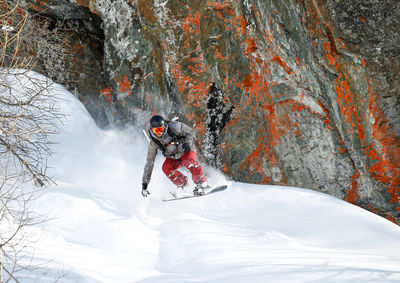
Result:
[
  {"x": 157, "y": 121},
  {"x": 158, "y": 126}
]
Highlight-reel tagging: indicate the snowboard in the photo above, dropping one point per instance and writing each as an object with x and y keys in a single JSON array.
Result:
[{"x": 207, "y": 192}]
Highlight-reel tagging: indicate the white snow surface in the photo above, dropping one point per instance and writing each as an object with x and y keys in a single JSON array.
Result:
[{"x": 105, "y": 231}]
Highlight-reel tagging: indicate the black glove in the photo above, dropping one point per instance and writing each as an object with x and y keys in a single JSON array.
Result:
[
  {"x": 145, "y": 192},
  {"x": 185, "y": 147}
]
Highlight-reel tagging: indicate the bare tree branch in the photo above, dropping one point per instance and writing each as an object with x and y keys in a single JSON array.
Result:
[{"x": 29, "y": 119}]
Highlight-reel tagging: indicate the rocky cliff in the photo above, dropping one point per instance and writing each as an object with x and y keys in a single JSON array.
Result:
[{"x": 292, "y": 92}]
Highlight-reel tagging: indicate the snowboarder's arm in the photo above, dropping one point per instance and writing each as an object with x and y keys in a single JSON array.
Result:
[
  {"x": 151, "y": 156},
  {"x": 189, "y": 134}
]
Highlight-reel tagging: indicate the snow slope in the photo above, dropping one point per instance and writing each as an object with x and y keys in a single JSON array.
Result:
[{"x": 105, "y": 231}]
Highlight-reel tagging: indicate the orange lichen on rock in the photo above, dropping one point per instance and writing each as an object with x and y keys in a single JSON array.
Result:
[
  {"x": 124, "y": 85},
  {"x": 250, "y": 45},
  {"x": 344, "y": 99},
  {"x": 225, "y": 7},
  {"x": 191, "y": 24},
  {"x": 218, "y": 54},
  {"x": 279, "y": 61},
  {"x": 387, "y": 160},
  {"x": 84, "y": 3},
  {"x": 352, "y": 194},
  {"x": 107, "y": 93},
  {"x": 254, "y": 160},
  {"x": 241, "y": 24}
]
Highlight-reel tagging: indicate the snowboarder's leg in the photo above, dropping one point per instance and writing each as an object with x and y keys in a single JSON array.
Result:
[
  {"x": 189, "y": 161},
  {"x": 170, "y": 168}
]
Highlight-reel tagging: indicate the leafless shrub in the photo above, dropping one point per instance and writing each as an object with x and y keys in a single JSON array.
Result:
[{"x": 28, "y": 120}]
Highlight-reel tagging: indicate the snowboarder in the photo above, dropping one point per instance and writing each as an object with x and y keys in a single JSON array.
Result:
[{"x": 176, "y": 141}]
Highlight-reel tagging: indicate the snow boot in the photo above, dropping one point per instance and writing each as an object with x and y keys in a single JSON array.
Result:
[{"x": 200, "y": 188}]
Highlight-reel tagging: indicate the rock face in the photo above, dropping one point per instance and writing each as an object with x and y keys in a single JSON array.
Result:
[
  {"x": 75, "y": 57},
  {"x": 291, "y": 92}
]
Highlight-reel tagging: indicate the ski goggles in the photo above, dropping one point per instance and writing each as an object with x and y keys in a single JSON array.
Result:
[{"x": 159, "y": 130}]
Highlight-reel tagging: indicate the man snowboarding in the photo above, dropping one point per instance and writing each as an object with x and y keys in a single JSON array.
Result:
[{"x": 176, "y": 141}]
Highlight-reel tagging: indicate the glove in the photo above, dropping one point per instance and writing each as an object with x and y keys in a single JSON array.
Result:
[
  {"x": 185, "y": 147},
  {"x": 145, "y": 191}
]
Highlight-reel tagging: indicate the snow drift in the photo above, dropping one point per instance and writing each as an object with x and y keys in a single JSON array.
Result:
[{"x": 105, "y": 231}]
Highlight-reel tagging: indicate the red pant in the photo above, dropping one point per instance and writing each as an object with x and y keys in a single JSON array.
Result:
[{"x": 171, "y": 166}]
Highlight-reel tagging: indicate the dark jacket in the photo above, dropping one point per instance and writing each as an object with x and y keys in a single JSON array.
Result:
[{"x": 171, "y": 144}]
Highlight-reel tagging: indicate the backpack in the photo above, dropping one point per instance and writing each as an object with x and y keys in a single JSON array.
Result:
[{"x": 171, "y": 133}]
